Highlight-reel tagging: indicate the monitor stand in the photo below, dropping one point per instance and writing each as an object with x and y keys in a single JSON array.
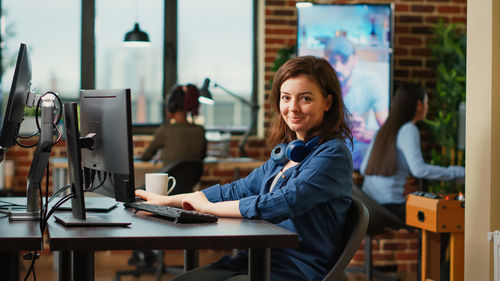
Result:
[
  {"x": 21, "y": 215},
  {"x": 90, "y": 220},
  {"x": 74, "y": 144},
  {"x": 39, "y": 163}
]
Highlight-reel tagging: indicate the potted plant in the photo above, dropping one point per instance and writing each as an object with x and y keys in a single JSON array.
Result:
[{"x": 449, "y": 52}]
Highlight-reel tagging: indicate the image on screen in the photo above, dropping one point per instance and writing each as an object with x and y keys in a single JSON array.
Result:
[{"x": 357, "y": 41}]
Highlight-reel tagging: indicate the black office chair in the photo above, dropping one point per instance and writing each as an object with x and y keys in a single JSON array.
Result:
[
  {"x": 186, "y": 173},
  {"x": 380, "y": 221},
  {"x": 354, "y": 231}
]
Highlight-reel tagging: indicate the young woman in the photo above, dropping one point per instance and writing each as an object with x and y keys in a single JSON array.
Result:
[
  {"x": 308, "y": 196},
  {"x": 396, "y": 152}
]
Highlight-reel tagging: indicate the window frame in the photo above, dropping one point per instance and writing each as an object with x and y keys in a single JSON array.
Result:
[{"x": 88, "y": 55}]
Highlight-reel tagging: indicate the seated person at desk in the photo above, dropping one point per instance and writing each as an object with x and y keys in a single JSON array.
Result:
[
  {"x": 177, "y": 138},
  {"x": 396, "y": 152},
  {"x": 308, "y": 195}
]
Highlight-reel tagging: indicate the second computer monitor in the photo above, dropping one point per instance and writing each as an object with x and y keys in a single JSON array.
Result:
[
  {"x": 109, "y": 162},
  {"x": 14, "y": 106}
]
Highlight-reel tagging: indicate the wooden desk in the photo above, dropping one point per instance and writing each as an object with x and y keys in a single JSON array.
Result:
[
  {"x": 16, "y": 236},
  {"x": 436, "y": 216},
  {"x": 148, "y": 232}
]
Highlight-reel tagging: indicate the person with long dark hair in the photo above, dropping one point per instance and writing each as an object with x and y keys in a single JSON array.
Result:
[
  {"x": 307, "y": 194},
  {"x": 396, "y": 152}
]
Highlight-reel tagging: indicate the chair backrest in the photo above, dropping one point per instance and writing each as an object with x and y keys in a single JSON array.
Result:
[
  {"x": 186, "y": 173},
  {"x": 354, "y": 231},
  {"x": 380, "y": 217}
]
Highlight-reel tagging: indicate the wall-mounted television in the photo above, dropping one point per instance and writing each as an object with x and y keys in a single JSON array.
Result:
[{"x": 357, "y": 39}]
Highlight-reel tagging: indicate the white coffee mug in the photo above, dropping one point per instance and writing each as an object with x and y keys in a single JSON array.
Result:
[{"x": 159, "y": 183}]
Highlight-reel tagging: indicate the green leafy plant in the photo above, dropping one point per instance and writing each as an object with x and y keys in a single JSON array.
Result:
[
  {"x": 282, "y": 56},
  {"x": 449, "y": 52}
]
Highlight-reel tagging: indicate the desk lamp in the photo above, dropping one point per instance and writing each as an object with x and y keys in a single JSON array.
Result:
[{"x": 206, "y": 97}]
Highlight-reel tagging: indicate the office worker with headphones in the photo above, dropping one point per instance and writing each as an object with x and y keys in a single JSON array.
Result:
[
  {"x": 177, "y": 138},
  {"x": 305, "y": 187}
]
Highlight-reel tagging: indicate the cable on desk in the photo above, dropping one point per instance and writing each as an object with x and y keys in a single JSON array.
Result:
[
  {"x": 10, "y": 205},
  {"x": 58, "y": 204},
  {"x": 59, "y": 191}
]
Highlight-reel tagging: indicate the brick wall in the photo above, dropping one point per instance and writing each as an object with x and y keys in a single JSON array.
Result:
[
  {"x": 22, "y": 161},
  {"x": 412, "y": 62}
]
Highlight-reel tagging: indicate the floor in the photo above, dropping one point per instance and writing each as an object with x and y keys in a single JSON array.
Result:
[{"x": 107, "y": 263}]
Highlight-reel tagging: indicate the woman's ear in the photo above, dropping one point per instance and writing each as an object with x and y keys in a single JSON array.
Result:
[
  {"x": 329, "y": 102},
  {"x": 419, "y": 111},
  {"x": 419, "y": 106}
]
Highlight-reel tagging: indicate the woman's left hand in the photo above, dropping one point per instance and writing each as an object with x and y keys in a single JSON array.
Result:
[{"x": 196, "y": 201}]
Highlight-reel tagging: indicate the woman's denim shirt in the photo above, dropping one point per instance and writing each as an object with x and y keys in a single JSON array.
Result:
[{"x": 310, "y": 199}]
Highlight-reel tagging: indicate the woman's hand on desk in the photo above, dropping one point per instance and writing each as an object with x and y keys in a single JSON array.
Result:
[
  {"x": 152, "y": 198},
  {"x": 196, "y": 201},
  {"x": 193, "y": 201},
  {"x": 158, "y": 199}
]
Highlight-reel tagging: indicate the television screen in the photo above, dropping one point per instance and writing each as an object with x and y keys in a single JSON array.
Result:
[{"x": 357, "y": 41}]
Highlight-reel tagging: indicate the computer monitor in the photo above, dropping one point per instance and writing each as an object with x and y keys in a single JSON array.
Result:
[
  {"x": 105, "y": 152},
  {"x": 14, "y": 108},
  {"x": 21, "y": 96},
  {"x": 107, "y": 114}
]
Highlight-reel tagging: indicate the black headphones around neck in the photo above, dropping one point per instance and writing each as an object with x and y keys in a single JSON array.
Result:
[{"x": 296, "y": 150}]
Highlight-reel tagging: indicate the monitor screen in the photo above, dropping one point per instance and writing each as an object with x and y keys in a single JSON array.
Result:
[
  {"x": 107, "y": 114},
  {"x": 13, "y": 110},
  {"x": 357, "y": 41}
]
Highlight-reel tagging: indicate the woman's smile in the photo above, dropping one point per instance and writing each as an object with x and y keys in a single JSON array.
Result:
[{"x": 295, "y": 119}]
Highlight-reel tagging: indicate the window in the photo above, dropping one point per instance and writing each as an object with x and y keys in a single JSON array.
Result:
[
  {"x": 207, "y": 47},
  {"x": 51, "y": 29},
  {"x": 137, "y": 68},
  {"x": 215, "y": 41}
]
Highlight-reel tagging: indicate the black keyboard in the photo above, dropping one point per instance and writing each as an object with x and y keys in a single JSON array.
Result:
[{"x": 172, "y": 213}]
